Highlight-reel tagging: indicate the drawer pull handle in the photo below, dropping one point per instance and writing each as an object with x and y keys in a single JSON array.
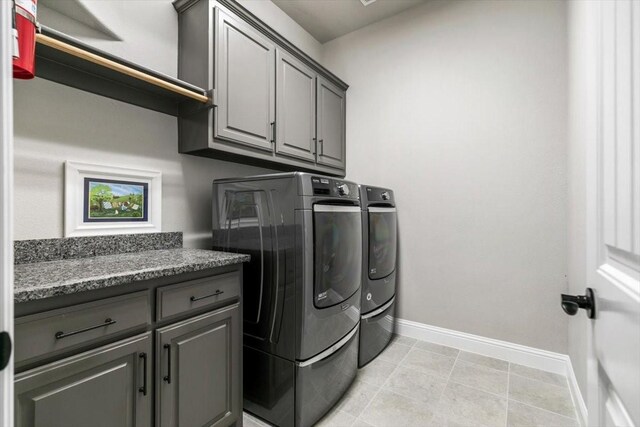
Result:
[
  {"x": 107, "y": 322},
  {"x": 143, "y": 389},
  {"x": 215, "y": 294},
  {"x": 167, "y": 377}
]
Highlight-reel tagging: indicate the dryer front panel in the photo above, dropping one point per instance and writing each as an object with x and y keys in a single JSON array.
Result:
[{"x": 383, "y": 241}]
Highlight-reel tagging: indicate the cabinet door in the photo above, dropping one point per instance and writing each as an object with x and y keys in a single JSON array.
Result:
[
  {"x": 106, "y": 387},
  {"x": 199, "y": 366},
  {"x": 331, "y": 124},
  {"x": 245, "y": 83},
  {"x": 295, "y": 108}
]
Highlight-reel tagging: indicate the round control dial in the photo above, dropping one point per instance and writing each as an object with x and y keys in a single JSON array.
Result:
[{"x": 343, "y": 189}]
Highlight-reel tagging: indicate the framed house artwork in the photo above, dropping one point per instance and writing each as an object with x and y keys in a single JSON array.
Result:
[{"x": 111, "y": 200}]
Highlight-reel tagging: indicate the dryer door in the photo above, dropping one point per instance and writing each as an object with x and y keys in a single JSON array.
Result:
[
  {"x": 383, "y": 235},
  {"x": 337, "y": 232}
]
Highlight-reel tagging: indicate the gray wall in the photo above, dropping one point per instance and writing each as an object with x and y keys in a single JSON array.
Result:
[
  {"x": 146, "y": 31},
  {"x": 54, "y": 123},
  {"x": 141, "y": 31},
  {"x": 460, "y": 106},
  {"x": 579, "y": 134}
]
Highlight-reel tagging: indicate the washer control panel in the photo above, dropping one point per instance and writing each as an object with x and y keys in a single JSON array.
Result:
[{"x": 334, "y": 188}]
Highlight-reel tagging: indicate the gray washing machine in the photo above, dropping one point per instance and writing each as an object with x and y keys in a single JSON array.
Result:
[
  {"x": 380, "y": 241},
  {"x": 301, "y": 289}
]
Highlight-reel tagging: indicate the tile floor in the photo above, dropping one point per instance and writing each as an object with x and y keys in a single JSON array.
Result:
[{"x": 417, "y": 383}]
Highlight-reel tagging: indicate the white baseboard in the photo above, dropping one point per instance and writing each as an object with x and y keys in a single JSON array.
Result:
[{"x": 515, "y": 353}]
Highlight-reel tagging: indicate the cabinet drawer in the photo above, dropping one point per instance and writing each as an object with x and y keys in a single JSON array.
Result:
[
  {"x": 195, "y": 294},
  {"x": 63, "y": 329}
]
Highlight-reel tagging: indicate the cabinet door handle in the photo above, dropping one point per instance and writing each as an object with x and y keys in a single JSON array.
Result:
[
  {"x": 273, "y": 132},
  {"x": 5, "y": 349},
  {"x": 107, "y": 322},
  {"x": 167, "y": 377},
  {"x": 143, "y": 389},
  {"x": 321, "y": 147},
  {"x": 215, "y": 294}
]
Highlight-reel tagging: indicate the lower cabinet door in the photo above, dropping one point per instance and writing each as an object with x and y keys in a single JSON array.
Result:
[
  {"x": 198, "y": 367},
  {"x": 106, "y": 387}
]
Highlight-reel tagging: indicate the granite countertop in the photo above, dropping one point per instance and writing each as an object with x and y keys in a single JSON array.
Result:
[{"x": 62, "y": 277}]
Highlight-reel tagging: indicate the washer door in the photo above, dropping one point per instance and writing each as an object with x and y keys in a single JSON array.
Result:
[
  {"x": 383, "y": 235},
  {"x": 337, "y": 233}
]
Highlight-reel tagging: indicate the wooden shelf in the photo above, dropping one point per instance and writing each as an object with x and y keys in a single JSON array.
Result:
[{"x": 68, "y": 61}]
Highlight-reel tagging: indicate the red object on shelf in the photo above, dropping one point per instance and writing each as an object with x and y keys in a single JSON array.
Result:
[{"x": 25, "y": 31}]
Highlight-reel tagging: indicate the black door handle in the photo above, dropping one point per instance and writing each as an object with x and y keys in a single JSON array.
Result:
[
  {"x": 571, "y": 303},
  {"x": 215, "y": 294},
  {"x": 143, "y": 389},
  {"x": 107, "y": 322},
  {"x": 5, "y": 349},
  {"x": 167, "y": 377}
]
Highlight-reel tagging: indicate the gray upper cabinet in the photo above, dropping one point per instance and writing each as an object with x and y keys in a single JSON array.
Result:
[
  {"x": 106, "y": 387},
  {"x": 198, "y": 371},
  {"x": 296, "y": 107},
  {"x": 331, "y": 124},
  {"x": 245, "y": 83},
  {"x": 269, "y": 98}
]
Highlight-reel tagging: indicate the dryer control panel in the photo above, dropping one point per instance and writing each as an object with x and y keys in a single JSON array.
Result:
[{"x": 378, "y": 195}]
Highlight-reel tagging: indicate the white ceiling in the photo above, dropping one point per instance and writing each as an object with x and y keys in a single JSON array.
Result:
[{"x": 329, "y": 19}]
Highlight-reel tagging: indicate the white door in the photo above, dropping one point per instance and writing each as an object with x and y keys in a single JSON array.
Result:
[
  {"x": 6, "y": 183},
  {"x": 614, "y": 219}
]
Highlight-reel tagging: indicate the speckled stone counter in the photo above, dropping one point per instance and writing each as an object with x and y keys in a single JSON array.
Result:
[
  {"x": 28, "y": 251},
  {"x": 40, "y": 280}
]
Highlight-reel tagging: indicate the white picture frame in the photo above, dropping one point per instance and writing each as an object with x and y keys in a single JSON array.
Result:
[{"x": 77, "y": 221}]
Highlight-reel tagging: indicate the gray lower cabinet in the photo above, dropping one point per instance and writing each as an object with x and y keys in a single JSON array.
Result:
[
  {"x": 198, "y": 363},
  {"x": 245, "y": 83},
  {"x": 331, "y": 124},
  {"x": 295, "y": 107},
  {"x": 91, "y": 363},
  {"x": 105, "y": 387}
]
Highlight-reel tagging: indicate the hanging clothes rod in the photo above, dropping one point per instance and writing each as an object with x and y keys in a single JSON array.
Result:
[{"x": 123, "y": 69}]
